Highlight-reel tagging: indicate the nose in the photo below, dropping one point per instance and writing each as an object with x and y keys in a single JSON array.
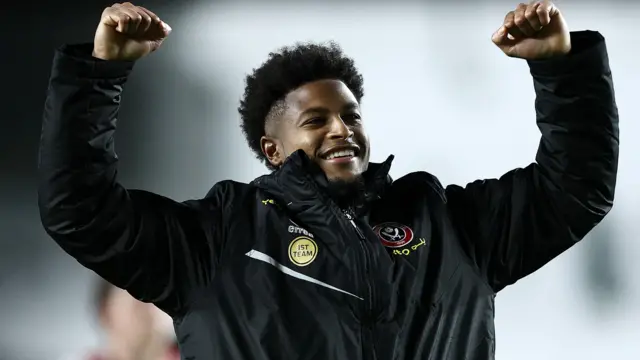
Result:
[{"x": 338, "y": 129}]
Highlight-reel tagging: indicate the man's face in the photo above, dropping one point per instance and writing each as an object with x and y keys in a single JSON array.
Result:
[{"x": 323, "y": 119}]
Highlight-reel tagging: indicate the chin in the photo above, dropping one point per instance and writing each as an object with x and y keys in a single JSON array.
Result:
[
  {"x": 346, "y": 189},
  {"x": 345, "y": 172},
  {"x": 344, "y": 178}
]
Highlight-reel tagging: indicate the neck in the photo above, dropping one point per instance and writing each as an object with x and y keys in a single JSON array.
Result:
[
  {"x": 150, "y": 349},
  {"x": 347, "y": 194},
  {"x": 117, "y": 350}
]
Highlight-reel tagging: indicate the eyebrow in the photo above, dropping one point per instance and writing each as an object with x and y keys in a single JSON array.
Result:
[{"x": 322, "y": 110}]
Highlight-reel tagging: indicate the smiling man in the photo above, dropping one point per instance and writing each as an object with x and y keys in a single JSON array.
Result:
[
  {"x": 323, "y": 119},
  {"x": 326, "y": 257},
  {"x": 313, "y": 106}
]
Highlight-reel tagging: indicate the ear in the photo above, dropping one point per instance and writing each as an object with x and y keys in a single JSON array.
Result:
[{"x": 272, "y": 149}]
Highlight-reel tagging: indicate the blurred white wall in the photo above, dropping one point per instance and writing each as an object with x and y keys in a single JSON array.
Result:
[{"x": 439, "y": 96}]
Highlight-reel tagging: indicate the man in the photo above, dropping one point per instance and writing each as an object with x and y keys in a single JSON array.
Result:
[
  {"x": 133, "y": 330},
  {"x": 326, "y": 257}
]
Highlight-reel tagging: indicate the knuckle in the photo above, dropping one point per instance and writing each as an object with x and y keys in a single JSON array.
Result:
[
  {"x": 509, "y": 16},
  {"x": 519, "y": 20}
]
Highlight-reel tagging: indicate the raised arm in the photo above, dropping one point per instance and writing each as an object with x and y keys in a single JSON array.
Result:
[
  {"x": 154, "y": 247},
  {"x": 512, "y": 226}
]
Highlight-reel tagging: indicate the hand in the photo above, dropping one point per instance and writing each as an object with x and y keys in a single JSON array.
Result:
[
  {"x": 535, "y": 31},
  {"x": 128, "y": 32}
]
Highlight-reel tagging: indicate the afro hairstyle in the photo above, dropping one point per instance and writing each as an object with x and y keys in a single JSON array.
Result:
[{"x": 285, "y": 71}]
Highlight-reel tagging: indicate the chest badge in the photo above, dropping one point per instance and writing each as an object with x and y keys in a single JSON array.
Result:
[
  {"x": 303, "y": 250},
  {"x": 393, "y": 235}
]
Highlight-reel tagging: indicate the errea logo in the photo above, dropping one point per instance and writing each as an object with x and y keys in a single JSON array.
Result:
[{"x": 296, "y": 229}]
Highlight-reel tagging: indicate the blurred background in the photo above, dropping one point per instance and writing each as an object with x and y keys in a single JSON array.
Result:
[{"x": 439, "y": 96}]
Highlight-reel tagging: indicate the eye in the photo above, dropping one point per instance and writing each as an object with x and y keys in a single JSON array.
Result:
[
  {"x": 352, "y": 118},
  {"x": 315, "y": 121}
]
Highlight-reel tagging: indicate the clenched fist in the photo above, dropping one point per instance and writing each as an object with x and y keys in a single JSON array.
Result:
[
  {"x": 128, "y": 32},
  {"x": 534, "y": 31}
]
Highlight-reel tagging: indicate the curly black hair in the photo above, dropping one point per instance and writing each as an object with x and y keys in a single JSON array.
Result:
[{"x": 285, "y": 71}]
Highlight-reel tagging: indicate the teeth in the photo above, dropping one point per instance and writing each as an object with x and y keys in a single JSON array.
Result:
[{"x": 342, "y": 153}]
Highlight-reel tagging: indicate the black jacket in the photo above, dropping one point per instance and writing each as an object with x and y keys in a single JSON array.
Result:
[{"x": 275, "y": 270}]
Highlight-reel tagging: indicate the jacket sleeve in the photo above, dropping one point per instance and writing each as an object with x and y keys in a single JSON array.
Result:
[
  {"x": 512, "y": 226},
  {"x": 155, "y": 248}
]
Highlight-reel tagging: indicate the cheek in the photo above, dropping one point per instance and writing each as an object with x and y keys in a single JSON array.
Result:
[
  {"x": 362, "y": 138},
  {"x": 303, "y": 141},
  {"x": 162, "y": 322},
  {"x": 129, "y": 315}
]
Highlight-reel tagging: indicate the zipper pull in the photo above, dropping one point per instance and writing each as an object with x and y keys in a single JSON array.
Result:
[
  {"x": 360, "y": 234},
  {"x": 350, "y": 218}
]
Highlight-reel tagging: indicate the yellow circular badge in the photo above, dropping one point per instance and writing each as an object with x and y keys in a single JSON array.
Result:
[{"x": 302, "y": 251}]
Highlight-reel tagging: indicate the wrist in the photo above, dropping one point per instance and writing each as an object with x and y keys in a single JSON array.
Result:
[{"x": 100, "y": 54}]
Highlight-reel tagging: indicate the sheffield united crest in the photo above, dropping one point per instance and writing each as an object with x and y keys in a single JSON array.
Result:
[{"x": 393, "y": 235}]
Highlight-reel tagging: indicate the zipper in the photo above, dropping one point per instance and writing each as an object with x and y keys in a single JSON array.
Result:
[
  {"x": 365, "y": 252},
  {"x": 367, "y": 330}
]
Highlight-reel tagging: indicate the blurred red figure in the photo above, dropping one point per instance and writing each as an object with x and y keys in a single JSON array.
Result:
[{"x": 132, "y": 330}]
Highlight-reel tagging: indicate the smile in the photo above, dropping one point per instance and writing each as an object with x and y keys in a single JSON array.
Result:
[{"x": 340, "y": 154}]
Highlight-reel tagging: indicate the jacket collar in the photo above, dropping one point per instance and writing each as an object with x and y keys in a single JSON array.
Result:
[{"x": 300, "y": 180}]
